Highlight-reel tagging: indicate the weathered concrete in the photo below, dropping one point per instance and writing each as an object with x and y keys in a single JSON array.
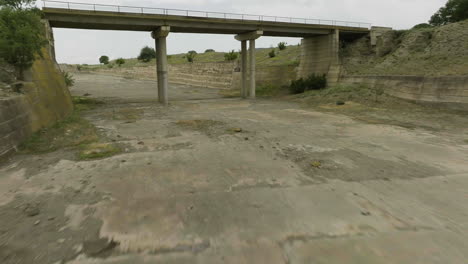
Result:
[
  {"x": 160, "y": 35},
  {"x": 377, "y": 32},
  {"x": 243, "y": 38},
  {"x": 319, "y": 55},
  {"x": 189, "y": 189},
  {"x": 215, "y": 75},
  {"x": 63, "y": 18},
  {"x": 449, "y": 91},
  {"x": 244, "y": 69},
  {"x": 252, "y": 77},
  {"x": 45, "y": 100}
]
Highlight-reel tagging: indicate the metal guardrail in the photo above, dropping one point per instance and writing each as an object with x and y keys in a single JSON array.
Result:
[{"x": 194, "y": 13}]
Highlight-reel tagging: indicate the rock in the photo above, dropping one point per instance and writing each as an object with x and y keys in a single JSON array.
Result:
[
  {"x": 340, "y": 103},
  {"x": 365, "y": 213},
  {"x": 31, "y": 210},
  {"x": 237, "y": 130},
  {"x": 141, "y": 143},
  {"x": 37, "y": 222},
  {"x": 246, "y": 138},
  {"x": 98, "y": 247}
]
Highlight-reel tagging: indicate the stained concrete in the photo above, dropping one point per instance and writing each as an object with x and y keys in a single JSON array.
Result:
[{"x": 238, "y": 181}]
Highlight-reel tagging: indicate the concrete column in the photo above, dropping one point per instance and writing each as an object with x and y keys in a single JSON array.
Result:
[
  {"x": 244, "y": 69},
  {"x": 252, "y": 69},
  {"x": 162, "y": 71},
  {"x": 160, "y": 35},
  {"x": 248, "y": 88}
]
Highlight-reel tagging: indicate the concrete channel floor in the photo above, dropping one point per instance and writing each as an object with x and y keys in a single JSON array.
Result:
[{"x": 294, "y": 186}]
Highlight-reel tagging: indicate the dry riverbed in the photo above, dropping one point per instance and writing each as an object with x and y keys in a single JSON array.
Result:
[{"x": 215, "y": 180}]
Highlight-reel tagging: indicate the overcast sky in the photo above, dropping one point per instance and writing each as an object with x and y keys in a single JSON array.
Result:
[{"x": 86, "y": 46}]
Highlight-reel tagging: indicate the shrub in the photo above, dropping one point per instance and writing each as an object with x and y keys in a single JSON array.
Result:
[
  {"x": 231, "y": 56},
  {"x": 453, "y": 11},
  {"x": 313, "y": 82},
  {"x": 104, "y": 60},
  {"x": 282, "y": 45},
  {"x": 422, "y": 25},
  {"x": 146, "y": 54},
  {"x": 79, "y": 67},
  {"x": 69, "y": 80},
  {"x": 110, "y": 66},
  {"x": 191, "y": 56},
  {"x": 272, "y": 53},
  {"x": 120, "y": 61},
  {"x": 209, "y": 50},
  {"x": 21, "y": 35}
]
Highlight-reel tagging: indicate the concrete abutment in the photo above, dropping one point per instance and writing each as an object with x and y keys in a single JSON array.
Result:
[{"x": 320, "y": 55}]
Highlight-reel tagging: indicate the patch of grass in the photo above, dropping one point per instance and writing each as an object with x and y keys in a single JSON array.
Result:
[
  {"x": 466, "y": 141},
  {"x": 70, "y": 132},
  {"x": 357, "y": 93},
  {"x": 98, "y": 151},
  {"x": 229, "y": 93},
  {"x": 269, "y": 90},
  {"x": 289, "y": 56}
]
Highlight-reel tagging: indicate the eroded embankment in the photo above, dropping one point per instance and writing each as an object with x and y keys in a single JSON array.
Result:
[{"x": 424, "y": 65}]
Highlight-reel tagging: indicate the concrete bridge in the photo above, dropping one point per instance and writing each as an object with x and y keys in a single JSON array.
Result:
[{"x": 320, "y": 42}]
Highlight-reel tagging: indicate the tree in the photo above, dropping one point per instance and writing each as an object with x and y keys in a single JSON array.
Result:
[
  {"x": 21, "y": 35},
  {"x": 453, "y": 11},
  {"x": 282, "y": 45},
  {"x": 120, "y": 61},
  {"x": 230, "y": 56},
  {"x": 146, "y": 54},
  {"x": 209, "y": 50},
  {"x": 104, "y": 60},
  {"x": 191, "y": 55},
  {"x": 16, "y": 4}
]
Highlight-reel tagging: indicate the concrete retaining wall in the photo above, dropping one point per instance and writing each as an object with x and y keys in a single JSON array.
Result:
[
  {"x": 449, "y": 91},
  {"x": 45, "y": 100},
  {"x": 217, "y": 75}
]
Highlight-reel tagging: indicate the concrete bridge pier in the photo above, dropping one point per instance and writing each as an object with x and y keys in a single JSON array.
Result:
[
  {"x": 160, "y": 35},
  {"x": 320, "y": 55},
  {"x": 248, "y": 57}
]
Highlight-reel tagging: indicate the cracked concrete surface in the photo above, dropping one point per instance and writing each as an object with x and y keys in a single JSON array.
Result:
[{"x": 206, "y": 194}]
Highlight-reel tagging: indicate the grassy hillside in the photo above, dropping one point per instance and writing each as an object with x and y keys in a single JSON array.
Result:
[
  {"x": 434, "y": 51},
  {"x": 289, "y": 56}
]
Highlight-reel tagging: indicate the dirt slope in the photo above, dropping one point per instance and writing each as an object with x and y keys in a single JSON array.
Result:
[{"x": 436, "y": 51}]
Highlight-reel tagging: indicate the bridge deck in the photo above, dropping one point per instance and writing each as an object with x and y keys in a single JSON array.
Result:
[{"x": 109, "y": 20}]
